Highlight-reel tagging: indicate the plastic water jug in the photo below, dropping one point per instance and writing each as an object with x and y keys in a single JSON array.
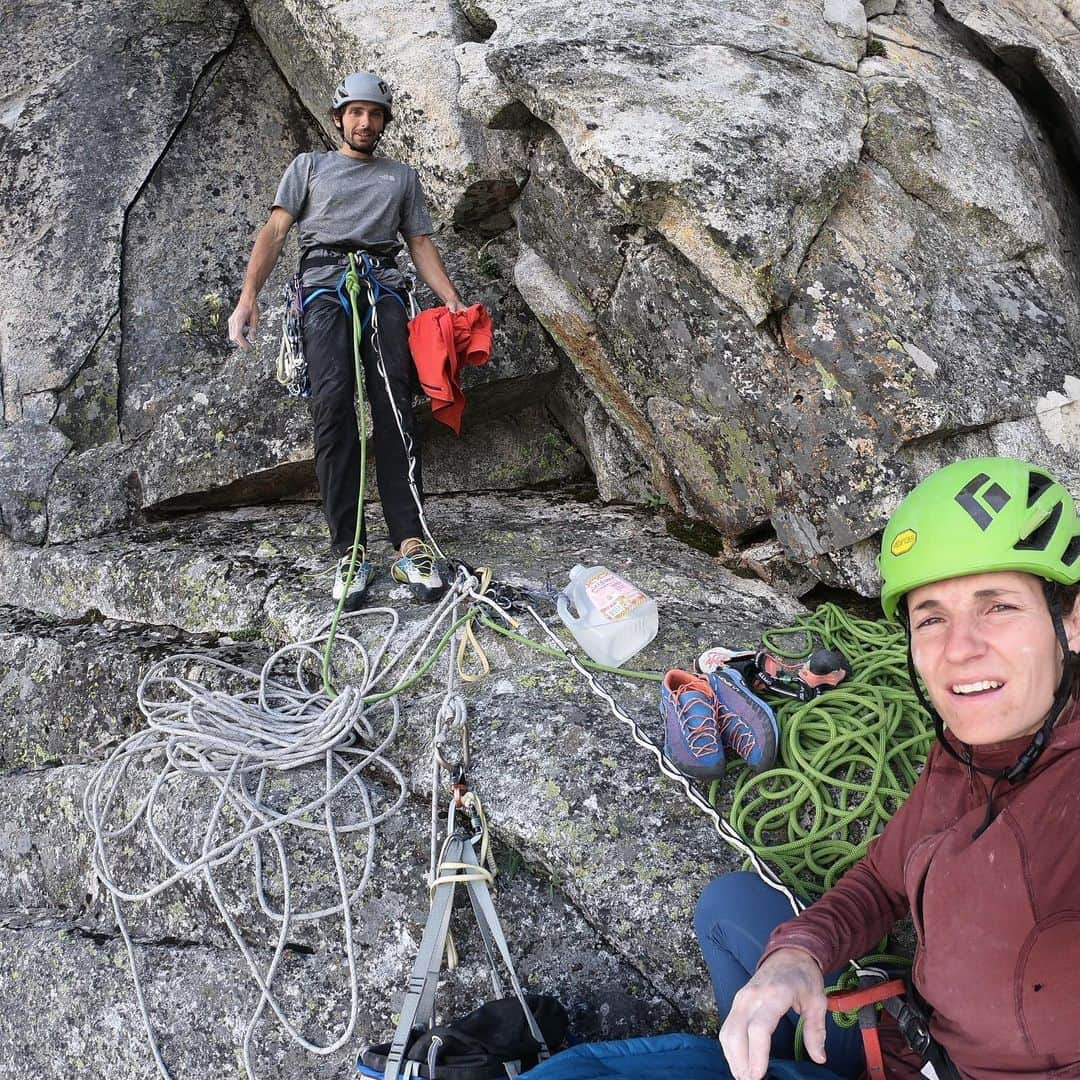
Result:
[{"x": 614, "y": 619}]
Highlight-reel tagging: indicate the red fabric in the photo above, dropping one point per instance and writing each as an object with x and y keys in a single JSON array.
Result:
[
  {"x": 442, "y": 341},
  {"x": 997, "y": 917}
]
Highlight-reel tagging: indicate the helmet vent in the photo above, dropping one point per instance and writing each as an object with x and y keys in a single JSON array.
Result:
[
  {"x": 1042, "y": 536},
  {"x": 996, "y": 496},
  {"x": 1072, "y": 552},
  {"x": 1037, "y": 484}
]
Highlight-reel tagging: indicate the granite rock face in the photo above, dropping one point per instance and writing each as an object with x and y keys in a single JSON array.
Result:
[
  {"x": 763, "y": 265},
  {"x": 767, "y": 265},
  {"x": 120, "y": 391},
  {"x": 893, "y": 288},
  {"x": 91, "y": 100}
]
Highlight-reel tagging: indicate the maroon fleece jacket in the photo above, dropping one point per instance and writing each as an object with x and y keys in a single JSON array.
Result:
[{"x": 997, "y": 916}]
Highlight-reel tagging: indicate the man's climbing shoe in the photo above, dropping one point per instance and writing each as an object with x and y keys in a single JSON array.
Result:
[
  {"x": 691, "y": 737},
  {"x": 417, "y": 569},
  {"x": 746, "y": 724},
  {"x": 353, "y": 588}
]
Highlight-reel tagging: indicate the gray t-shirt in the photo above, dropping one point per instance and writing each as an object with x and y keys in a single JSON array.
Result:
[{"x": 353, "y": 202}]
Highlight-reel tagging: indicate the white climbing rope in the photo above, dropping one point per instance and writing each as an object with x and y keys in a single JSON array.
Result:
[{"x": 279, "y": 729}]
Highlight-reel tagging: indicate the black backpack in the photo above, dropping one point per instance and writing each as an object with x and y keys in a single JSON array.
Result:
[{"x": 478, "y": 1046}]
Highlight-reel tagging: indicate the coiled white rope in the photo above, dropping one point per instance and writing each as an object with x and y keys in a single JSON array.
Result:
[{"x": 282, "y": 724}]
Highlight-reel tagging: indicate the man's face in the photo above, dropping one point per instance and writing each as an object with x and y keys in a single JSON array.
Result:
[
  {"x": 361, "y": 123},
  {"x": 986, "y": 649}
]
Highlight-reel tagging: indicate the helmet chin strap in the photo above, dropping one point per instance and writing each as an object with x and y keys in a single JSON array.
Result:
[{"x": 1019, "y": 769}]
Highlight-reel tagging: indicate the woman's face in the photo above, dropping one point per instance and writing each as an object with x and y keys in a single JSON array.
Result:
[{"x": 986, "y": 650}]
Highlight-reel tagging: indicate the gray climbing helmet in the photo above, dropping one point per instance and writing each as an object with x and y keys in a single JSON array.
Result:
[{"x": 364, "y": 86}]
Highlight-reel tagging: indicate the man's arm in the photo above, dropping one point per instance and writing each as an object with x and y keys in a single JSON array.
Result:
[
  {"x": 264, "y": 256},
  {"x": 429, "y": 265}
]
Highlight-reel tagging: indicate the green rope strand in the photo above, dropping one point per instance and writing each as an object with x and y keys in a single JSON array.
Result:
[
  {"x": 352, "y": 287},
  {"x": 628, "y": 673}
]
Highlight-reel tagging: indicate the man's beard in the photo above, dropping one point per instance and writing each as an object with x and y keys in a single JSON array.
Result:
[{"x": 361, "y": 148}]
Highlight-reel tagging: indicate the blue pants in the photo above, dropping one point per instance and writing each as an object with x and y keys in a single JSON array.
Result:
[{"x": 734, "y": 918}]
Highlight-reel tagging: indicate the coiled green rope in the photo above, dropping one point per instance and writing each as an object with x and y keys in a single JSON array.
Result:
[{"x": 846, "y": 760}]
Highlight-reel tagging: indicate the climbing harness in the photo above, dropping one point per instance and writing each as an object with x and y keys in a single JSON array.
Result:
[{"x": 876, "y": 989}]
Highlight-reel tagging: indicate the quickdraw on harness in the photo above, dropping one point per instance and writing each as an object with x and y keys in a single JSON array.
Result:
[
  {"x": 897, "y": 998},
  {"x": 292, "y": 369}
]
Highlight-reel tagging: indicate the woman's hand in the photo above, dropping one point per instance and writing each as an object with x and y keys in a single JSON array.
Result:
[{"x": 788, "y": 979}]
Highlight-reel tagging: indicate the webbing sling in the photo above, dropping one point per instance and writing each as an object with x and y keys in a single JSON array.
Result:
[{"x": 458, "y": 866}]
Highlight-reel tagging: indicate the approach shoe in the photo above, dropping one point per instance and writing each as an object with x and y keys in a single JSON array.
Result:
[
  {"x": 419, "y": 572},
  {"x": 691, "y": 735},
  {"x": 354, "y": 588},
  {"x": 747, "y": 725}
]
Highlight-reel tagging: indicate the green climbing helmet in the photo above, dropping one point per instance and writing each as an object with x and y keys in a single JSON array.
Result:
[{"x": 978, "y": 516}]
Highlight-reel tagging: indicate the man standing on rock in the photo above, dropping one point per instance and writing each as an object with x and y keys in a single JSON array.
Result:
[{"x": 346, "y": 201}]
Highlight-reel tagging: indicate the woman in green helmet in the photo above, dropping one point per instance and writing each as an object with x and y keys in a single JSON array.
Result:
[{"x": 981, "y": 562}]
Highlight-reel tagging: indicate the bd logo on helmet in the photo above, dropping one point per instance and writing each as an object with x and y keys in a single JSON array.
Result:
[
  {"x": 982, "y": 500},
  {"x": 904, "y": 542}
]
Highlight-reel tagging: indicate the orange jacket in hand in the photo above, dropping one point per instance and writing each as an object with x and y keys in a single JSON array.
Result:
[{"x": 441, "y": 342}]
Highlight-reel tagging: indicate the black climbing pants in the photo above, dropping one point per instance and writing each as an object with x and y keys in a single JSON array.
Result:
[{"x": 329, "y": 352}]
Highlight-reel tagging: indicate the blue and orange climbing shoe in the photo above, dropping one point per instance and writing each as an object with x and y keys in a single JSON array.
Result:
[
  {"x": 691, "y": 736},
  {"x": 746, "y": 724}
]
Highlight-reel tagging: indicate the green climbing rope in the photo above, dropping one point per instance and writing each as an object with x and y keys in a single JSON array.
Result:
[{"x": 846, "y": 761}]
